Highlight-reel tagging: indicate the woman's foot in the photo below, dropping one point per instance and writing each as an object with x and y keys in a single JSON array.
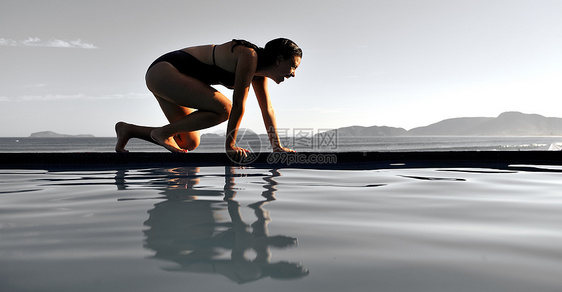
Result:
[
  {"x": 122, "y": 137},
  {"x": 167, "y": 142}
]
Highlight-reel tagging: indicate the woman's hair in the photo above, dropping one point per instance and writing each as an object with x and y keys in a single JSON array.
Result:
[{"x": 268, "y": 55}]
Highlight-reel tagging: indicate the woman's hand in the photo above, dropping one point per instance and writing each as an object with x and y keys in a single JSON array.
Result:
[
  {"x": 237, "y": 154},
  {"x": 283, "y": 149}
]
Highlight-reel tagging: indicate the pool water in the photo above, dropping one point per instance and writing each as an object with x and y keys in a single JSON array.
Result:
[{"x": 250, "y": 229}]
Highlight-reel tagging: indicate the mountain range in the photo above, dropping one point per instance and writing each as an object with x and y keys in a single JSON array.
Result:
[
  {"x": 51, "y": 134},
  {"x": 506, "y": 124}
]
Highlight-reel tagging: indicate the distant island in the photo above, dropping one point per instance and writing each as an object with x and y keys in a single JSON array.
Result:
[
  {"x": 50, "y": 134},
  {"x": 211, "y": 135},
  {"x": 506, "y": 124}
]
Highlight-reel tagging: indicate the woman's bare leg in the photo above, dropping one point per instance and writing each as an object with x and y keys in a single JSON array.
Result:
[
  {"x": 177, "y": 94},
  {"x": 127, "y": 131},
  {"x": 185, "y": 140},
  {"x": 175, "y": 91}
]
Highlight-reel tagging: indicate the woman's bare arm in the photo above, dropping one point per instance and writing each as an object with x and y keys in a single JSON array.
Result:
[
  {"x": 268, "y": 114},
  {"x": 245, "y": 70}
]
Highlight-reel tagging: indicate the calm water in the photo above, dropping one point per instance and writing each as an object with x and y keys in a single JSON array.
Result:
[
  {"x": 212, "y": 144},
  {"x": 248, "y": 229}
]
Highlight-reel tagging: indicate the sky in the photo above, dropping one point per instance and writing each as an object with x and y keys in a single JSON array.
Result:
[{"x": 77, "y": 67}]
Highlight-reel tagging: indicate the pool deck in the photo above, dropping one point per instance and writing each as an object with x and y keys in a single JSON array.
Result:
[{"x": 313, "y": 160}]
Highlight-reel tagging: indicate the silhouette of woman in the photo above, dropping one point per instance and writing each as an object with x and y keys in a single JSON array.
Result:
[{"x": 181, "y": 82}]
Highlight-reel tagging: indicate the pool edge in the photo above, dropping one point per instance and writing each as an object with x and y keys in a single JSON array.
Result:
[{"x": 320, "y": 160}]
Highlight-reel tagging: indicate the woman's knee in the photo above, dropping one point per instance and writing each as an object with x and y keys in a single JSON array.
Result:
[{"x": 189, "y": 141}]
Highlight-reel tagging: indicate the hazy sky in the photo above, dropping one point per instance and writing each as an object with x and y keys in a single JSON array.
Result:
[{"x": 77, "y": 67}]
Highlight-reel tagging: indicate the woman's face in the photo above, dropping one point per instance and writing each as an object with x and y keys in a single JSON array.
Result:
[{"x": 285, "y": 68}]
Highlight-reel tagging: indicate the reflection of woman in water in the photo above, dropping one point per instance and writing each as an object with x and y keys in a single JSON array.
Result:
[
  {"x": 181, "y": 82},
  {"x": 191, "y": 233}
]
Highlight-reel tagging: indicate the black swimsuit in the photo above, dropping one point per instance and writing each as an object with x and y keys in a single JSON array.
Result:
[{"x": 190, "y": 66}]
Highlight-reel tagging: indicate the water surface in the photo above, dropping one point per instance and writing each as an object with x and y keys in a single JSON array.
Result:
[{"x": 248, "y": 229}]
